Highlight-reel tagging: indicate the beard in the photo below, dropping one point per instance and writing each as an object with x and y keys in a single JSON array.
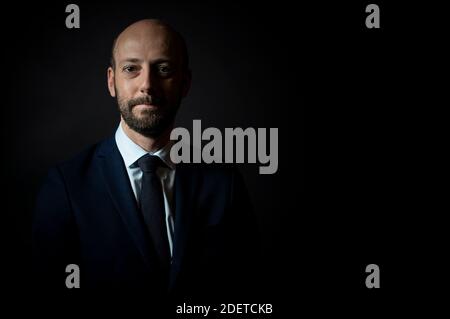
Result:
[{"x": 149, "y": 122}]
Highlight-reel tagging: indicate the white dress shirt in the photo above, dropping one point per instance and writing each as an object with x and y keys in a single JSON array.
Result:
[{"x": 131, "y": 152}]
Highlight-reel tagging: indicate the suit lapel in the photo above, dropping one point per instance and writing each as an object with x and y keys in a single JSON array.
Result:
[
  {"x": 118, "y": 184},
  {"x": 187, "y": 182}
]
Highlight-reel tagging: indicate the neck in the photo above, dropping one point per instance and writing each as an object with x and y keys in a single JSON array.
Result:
[{"x": 150, "y": 144}]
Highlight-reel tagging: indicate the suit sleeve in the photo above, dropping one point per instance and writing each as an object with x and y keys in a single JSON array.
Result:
[{"x": 53, "y": 234}]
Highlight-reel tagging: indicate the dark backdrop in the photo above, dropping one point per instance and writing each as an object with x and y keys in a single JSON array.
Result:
[
  {"x": 254, "y": 65},
  {"x": 247, "y": 72}
]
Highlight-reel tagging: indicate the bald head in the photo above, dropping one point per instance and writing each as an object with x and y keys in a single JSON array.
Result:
[{"x": 151, "y": 31}]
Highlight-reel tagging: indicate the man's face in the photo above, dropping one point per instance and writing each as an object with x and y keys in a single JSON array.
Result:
[{"x": 148, "y": 80}]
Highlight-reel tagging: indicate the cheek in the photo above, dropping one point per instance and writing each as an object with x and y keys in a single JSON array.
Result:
[
  {"x": 172, "y": 88},
  {"x": 124, "y": 88}
]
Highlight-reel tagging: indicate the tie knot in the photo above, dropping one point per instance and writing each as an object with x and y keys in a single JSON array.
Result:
[{"x": 149, "y": 163}]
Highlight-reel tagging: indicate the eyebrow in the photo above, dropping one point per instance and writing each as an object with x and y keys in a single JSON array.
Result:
[
  {"x": 136, "y": 60},
  {"x": 132, "y": 60}
]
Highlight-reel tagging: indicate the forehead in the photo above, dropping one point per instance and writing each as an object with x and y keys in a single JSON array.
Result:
[{"x": 147, "y": 45}]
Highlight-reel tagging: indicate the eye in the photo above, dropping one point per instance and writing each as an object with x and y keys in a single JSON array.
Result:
[
  {"x": 130, "y": 68},
  {"x": 164, "y": 69}
]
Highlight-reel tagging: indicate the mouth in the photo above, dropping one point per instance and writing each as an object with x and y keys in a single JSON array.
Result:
[{"x": 145, "y": 106}]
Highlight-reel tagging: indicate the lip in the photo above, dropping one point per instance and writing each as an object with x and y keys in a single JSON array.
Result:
[{"x": 145, "y": 106}]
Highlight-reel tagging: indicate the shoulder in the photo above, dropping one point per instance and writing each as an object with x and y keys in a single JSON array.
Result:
[
  {"x": 88, "y": 156},
  {"x": 82, "y": 163},
  {"x": 212, "y": 171},
  {"x": 215, "y": 178}
]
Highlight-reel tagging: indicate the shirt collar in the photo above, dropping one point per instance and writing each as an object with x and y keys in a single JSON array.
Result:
[{"x": 131, "y": 152}]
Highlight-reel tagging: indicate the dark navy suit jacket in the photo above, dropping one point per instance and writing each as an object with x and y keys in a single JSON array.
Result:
[{"x": 86, "y": 214}]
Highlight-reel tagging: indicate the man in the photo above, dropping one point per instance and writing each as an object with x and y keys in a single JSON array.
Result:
[{"x": 129, "y": 217}]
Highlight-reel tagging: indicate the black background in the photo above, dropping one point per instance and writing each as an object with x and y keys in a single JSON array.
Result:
[{"x": 347, "y": 192}]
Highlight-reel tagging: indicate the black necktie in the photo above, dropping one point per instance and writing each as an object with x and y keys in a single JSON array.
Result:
[{"x": 152, "y": 207}]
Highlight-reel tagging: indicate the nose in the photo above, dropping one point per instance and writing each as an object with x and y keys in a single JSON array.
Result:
[{"x": 147, "y": 81}]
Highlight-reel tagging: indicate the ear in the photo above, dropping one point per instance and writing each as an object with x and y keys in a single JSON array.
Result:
[
  {"x": 187, "y": 83},
  {"x": 111, "y": 87}
]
